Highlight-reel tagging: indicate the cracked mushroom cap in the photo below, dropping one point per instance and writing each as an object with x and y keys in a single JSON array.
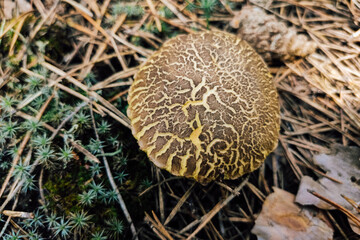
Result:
[{"x": 204, "y": 106}]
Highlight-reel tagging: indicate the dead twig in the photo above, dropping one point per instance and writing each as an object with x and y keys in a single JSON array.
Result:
[
  {"x": 112, "y": 182},
  {"x": 206, "y": 218},
  {"x": 337, "y": 206}
]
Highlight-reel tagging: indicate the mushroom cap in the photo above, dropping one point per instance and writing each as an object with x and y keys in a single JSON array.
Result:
[{"x": 204, "y": 106}]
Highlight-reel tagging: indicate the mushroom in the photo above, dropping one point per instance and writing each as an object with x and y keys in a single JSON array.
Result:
[{"x": 204, "y": 106}]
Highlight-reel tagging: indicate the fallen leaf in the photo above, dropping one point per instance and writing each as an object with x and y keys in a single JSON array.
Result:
[
  {"x": 13, "y": 8},
  {"x": 281, "y": 218},
  {"x": 343, "y": 165}
]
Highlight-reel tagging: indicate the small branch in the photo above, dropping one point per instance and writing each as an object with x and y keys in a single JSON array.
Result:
[
  {"x": 23, "y": 145},
  {"x": 76, "y": 110},
  {"x": 37, "y": 161},
  {"x": 41, "y": 189},
  {"x": 349, "y": 214},
  {"x": 207, "y": 218},
  {"x": 179, "y": 204},
  {"x": 18, "y": 214},
  {"x": 112, "y": 182}
]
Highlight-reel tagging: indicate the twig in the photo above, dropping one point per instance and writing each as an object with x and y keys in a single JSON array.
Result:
[
  {"x": 108, "y": 107},
  {"x": 41, "y": 189},
  {"x": 9, "y": 218},
  {"x": 217, "y": 208},
  {"x": 179, "y": 204},
  {"x": 158, "y": 226},
  {"x": 355, "y": 205},
  {"x": 72, "y": 142},
  {"x": 112, "y": 182},
  {"x": 23, "y": 145},
  {"x": 18, "y": 214},
  {"x": 161, "y": 197},
  {"x": 157, "y": 184},
  {"x": 36, "y": 162},
  {"x": 291, "y": 159},
  {"x": 336, "y": 225},
  {"x": 341, "y": 208}
]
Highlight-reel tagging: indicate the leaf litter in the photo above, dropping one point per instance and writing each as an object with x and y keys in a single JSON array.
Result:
[
  {"x": 342, "y": 164},
  {"x": 319, "y": 97},
  {"x": 282, "y": 218}
]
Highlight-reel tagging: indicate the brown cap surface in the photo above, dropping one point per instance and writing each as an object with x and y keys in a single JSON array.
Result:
[{"x": 204, "y": 106}]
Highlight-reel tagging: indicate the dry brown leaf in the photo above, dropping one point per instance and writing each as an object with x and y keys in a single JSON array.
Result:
[
  {"x": 14, "y": 8},
  {"x": 282, "y": 218},
  {"x": 344, "y": 165},
  {"x": 354, "y": 226},
  {"x": 9, "y": 7}
]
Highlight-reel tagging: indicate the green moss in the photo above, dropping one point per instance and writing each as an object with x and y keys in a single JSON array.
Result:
[{"x": 64, "y": 190}]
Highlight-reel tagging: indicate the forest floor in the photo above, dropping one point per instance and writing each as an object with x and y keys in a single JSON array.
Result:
[{"x": 71, "y": 169}]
